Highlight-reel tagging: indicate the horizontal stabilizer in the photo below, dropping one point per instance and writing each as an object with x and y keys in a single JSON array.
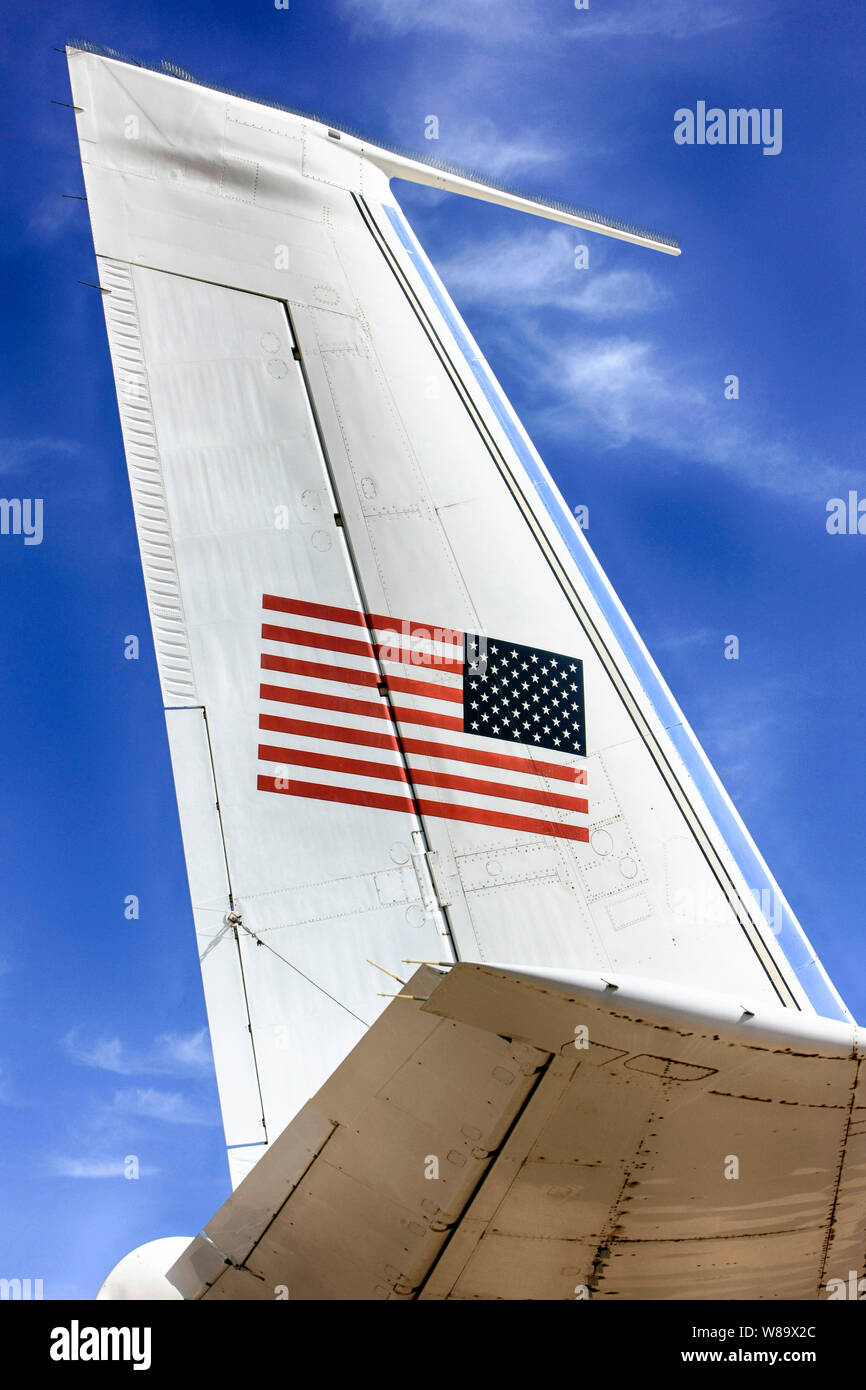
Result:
[
  {"x": 530, "y": 1137},
  {"x": 435, "y": 172}
]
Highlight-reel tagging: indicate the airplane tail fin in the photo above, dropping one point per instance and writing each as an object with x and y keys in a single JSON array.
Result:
[{"x": 408, "y": 716}]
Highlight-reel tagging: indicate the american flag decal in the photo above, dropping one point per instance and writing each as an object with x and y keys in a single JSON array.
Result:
[{"x": 463, "y": 746}]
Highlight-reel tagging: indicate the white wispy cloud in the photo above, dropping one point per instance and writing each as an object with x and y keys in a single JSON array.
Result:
[
  {"x": 622, "y": 389},
  {"x": 52, "y": 216},
  {"x": 16, "y": 452},
  {"x": 536, "y": 269},
  {"x": 479, "y": 144},
  {"x": 168, "y": 1107},
  {"x": 621, "y": 385},
  {"x": 671, "y": 19},
  {"x": 90, "y": 1168},
  {"x": 607, "y": 383},
  {"x": 739, "y": 734},
  {"x": 670, "y": 640},
  {"x": 171, "y": 1054},
  {"x": 493, "y": 21},
  {"x": 501, "y": 22}
]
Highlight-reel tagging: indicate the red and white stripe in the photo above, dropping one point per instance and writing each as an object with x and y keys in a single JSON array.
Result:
[{"x": 329, "y": 733}]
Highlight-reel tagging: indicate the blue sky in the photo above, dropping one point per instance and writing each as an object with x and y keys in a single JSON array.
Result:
[{"x": 708, "y": 514}]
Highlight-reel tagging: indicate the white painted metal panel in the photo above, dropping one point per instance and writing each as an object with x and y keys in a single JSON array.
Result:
[
  {"x": 245, "y": 508},
  {"x": 221, "y": 968}
]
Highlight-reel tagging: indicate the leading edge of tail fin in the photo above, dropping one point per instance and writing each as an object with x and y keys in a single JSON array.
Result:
[{"x": 769, "y": 898}]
